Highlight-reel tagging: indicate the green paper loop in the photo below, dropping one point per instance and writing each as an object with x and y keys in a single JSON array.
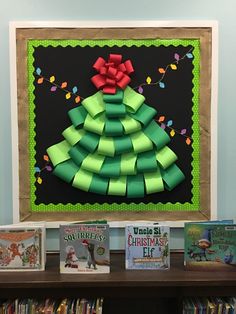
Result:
[
  {"x": 128, "y": 164},
  {"x": 66, "y": 170},
  {"x": 72, "y": 135},
  {"x": 77, "y": 116},
  {"x": 141, "y": 143},
  {"x": 157, "y": 135},
  {"x": 166, "y": 157},
  {"x": 78, "y": 154},
  {"x": 95, "y": 125},
  {"x": 123, "y": 144},
  {"x": 117, "y": 98},
  {"x": 111, "y": 167},
  {"x": 146, "y": 162},
  {"x": 135, "y": 186},
  {"x": 117, "y": 186},
  {"x": 90, "y": 141},
  {"x": 132, "y": 99},
  {"x": 144, "y": 114},
  {"x": 172, "y": 176},
  {"x": 113, "y": 127},
  {"x": 99, "y": 185},
  {"x": 82, "y": 180},
  {"x": 115, "y": 110},
  {"x": 130, "y": 125},
  {"x": 94, "y": 104},
  {"x": 59, "y": 152},
  {"x": 93, "y": 162},
  {"x": 106, "y": 146},
  {"x": 153, "y": 182}
]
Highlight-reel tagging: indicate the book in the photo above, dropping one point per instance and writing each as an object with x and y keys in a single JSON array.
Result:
[
  {"x": 22, "y": 247},
  {"x": 210, "y": 246},
  {"x": 147, "y": 246},
  {"x": 84, "y": 248}
]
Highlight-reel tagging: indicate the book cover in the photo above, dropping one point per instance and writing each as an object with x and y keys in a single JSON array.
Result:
[
  {"x": 210, "y": 246},
  {"x": 22, "y": 247},
  {"x": 84, "y": 248},
  {"x": 147, "y": 247}
]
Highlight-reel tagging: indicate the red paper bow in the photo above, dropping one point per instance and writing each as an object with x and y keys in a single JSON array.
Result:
[{"x": 112, "y": 74}]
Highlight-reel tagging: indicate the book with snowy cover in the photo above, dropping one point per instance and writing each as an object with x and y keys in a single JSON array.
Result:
[
  {"x": 22, "y": 247},
  {"x": 84, "y": 248},
  {"x": 147, "y": 247}
]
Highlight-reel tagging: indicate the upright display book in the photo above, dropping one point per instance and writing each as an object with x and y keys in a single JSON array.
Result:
[
  {"x": 210, "y": 246},
  {"x": 22, "y": 247},
  {"x": 147, "y": 247},
  {"x": 84, "y": 248}
]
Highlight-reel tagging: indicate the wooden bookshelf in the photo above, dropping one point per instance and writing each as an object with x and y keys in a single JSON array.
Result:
[{"x": 121, "y": 286}]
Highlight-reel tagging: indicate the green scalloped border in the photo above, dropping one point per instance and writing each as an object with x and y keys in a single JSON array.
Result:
[{"x": 195, "y": 204}]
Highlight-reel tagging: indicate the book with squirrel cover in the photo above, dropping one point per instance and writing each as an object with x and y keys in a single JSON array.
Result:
[
  {"x": 210, "y": 246},
  {"x": 22, "y": 248},
  {"x": 147, "y": 247},
  {"x": 84, "y": 248}
]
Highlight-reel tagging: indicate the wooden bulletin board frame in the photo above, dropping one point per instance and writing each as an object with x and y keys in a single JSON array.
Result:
[{"x": 205, "y": 31}]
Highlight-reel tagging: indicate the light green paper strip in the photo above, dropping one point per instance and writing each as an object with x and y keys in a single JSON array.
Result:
[
  {"x": 72, "y": 135},
  {"x": 130, "y": 125},
  {"x": 94, "y": 104},
  {"x": 141, "y": 143},
  {"x": 153, "y": 182},
  {"x": 106, "y": 146},
  {"x": 82, "y": 180},
  {"x": 95, "y": 125},
  {"x": 166, "y": 157},
  {"x": 59, "y": 152},
  {"x": 93, "y": 162},
  {"x": 127, "y": 166},
  {"x": 117, "y": 186},
  {"x": 132, "y": 99}
]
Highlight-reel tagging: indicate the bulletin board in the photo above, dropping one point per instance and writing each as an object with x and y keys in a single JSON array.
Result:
[{"x": 77, "y": 160}]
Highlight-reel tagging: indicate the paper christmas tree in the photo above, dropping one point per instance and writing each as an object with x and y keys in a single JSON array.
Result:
[{"x": 114, "y": 146}]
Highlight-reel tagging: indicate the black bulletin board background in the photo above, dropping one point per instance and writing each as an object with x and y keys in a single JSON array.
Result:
[{"x": 74, "y": 65}]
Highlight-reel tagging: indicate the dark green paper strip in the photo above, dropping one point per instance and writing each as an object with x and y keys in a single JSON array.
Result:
[
  {"x": 115, "y": 110},
  {"x": 66, "y": 170},
  {"x": 172, "y": 177},
  {"x": 90, "y": 141},
  {"x": 157, "y": 135},
  {"x": 116, "y": 98},
  {"x": 77, "y": 116},
  {"x": 123, "y": 144},
  {"x": 146, "y": 162},
  {"x": 99, "y": 185},
  {"x": 113, "y": 127},
  {"x": 135, "y": 186},
  {"x": 78, "y": 154},
  {"x": 111, "y": 167},
  {"x": 145, "y": 114}
]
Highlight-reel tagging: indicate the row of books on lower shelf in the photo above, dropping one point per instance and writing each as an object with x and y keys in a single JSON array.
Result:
[
  {"x": 210, "y": 305},
  {"x": 84, "y": 247},
  {"x": 52, "y": 306}
]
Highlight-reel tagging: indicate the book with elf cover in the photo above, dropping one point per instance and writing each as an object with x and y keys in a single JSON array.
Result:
[
  {"x": 147, "y": 247},
  {"x": 210, "y": 246},
  {"x": 84, "y": 248},
  {"x": 22, "y": 247}
]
